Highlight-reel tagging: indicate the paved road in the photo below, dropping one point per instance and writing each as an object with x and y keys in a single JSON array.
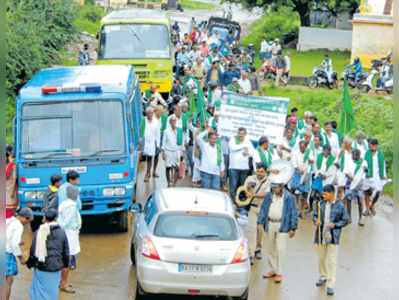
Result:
[{"x": 364, "y": 270}]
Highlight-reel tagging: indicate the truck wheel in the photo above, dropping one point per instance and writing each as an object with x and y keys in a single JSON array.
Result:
[
  {"x": 140, "y": 294},
  {"x": 36, "y": 222},
  {"x": 123, "y": 221},
  {"x": 243, "y": 297}
]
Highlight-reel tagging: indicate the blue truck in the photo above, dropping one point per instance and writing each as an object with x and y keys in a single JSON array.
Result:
[{"x": 87, "y": 119}]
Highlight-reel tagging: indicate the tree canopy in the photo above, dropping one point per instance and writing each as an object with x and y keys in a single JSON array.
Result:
[{"x": 303, "y": 7}]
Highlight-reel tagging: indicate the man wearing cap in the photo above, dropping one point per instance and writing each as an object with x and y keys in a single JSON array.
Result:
[
  {"x": 229, "y": 74},
  {"x": 14, "y": 230},
  {"x": 256, "y": 187},
  {"x": 280, "y": 65},
  {"x": 278, "y": 218},
  {"x": 198, "y": 70},
  {"x": 375, "y": 176},
  {"x": 329, "y": 216}
]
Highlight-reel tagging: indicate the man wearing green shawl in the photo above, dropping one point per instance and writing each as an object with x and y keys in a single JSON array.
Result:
[
  {"x": 356, "y": 168},
  {"x": 360, "y": 143},
  {"x": 172, "y": 150},
  {"x": 323, "y": 174},
  {"x": 376, "y": 176},
  {"x": 211, "y": 161},
  {"x": 287, "y": 144},
  {"x": 153, "y": 98}
]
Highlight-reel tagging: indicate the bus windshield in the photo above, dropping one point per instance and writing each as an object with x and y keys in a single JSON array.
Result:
[
  {"x": 134, "y": 41},
  {"x": 76, "y": 128}
]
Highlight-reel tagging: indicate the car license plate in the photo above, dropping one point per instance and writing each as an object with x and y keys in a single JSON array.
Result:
[{"x": 195, "y": 268}]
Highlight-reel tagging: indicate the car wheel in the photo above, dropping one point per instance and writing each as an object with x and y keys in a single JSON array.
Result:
[
  {"x": 132, "y": 254},
  {"x": 140, "y": 294},
  {"x": 313, "y": 82},
  {"x": 243, "y": 297}
]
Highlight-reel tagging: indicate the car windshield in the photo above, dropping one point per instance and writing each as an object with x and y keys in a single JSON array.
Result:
[
  {"x": 133, "y": 41},
  {"x": 188, "y": 226},
  {"x": 78, "y": 128},
  {"x": 223, "y": 32}
]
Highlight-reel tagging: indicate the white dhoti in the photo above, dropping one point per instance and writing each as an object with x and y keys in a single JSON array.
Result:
[
  {"x": 172, "y": 158},
  {"x": 196, "y": 171},
  {"x": 73, "y": 241},
  {"x": 376, "y": 185}
]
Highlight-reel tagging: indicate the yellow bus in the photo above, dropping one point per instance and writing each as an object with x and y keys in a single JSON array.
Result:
[{"x": 139, "y": 37}]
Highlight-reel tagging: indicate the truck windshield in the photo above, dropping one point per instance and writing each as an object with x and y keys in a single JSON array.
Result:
[
  {"x": 78, "y": 128},
  {"x": 134, "y": 41}
]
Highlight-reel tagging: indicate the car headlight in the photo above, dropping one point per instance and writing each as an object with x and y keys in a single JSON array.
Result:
[
  {"x": 34, "y": 195},
  {"x": 117, "y": 191}
]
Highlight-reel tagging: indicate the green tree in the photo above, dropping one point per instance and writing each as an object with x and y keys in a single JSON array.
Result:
[{"x": 303, "y": 7}]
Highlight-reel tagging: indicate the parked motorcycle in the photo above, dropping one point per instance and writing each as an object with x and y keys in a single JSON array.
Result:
[
  {"x": 353, "y": 82},
  {"x": 319, "y": 79},
  {"x": 268, "y": 71}
]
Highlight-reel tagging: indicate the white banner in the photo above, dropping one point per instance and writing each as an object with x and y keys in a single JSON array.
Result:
[{"x": 258, "y": 115}]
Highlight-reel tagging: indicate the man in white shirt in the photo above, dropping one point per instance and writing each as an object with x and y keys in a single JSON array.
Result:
[
  {"x": 245, "y": 83},
  {"x": 14, "y": 230},
  {"x": 325, "y": 171},
  {"x": 211, "y": 161},
  {"x": 150, "y": 134},
  {"x": 263, "y": 48},
  {"x": 344, "y": 161},
  {"x": 331, "y": 138},
  {"x": 240, "y": 149},
  {"x": 172, "y": 150},
  {"x": 264, "y": 153},
  {"x": 287, "y": 59},
  {"x": 376, "y": 176},
  {"x": 287, "y": 144},
  {"x": 154, "y": 98},
  {"x": 360, "y": 143},
  {"x": 302, "y": 160},
  {"x": 355, "y": 173}
]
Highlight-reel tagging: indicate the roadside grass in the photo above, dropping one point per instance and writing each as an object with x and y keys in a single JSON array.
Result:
[
  {"x": 88, "y": 18},
  {"x": 69, "y": 63},
  {"x": 196, "y": 5},
  {"x": 373, "y": 114},
  {"x": 302, "y": 63},
  {"x": 189, "y": 4}
]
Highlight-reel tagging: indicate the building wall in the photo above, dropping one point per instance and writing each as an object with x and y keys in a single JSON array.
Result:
[
  {"x": 324, "y": 38},
  {"x": 371, "y": 41}
]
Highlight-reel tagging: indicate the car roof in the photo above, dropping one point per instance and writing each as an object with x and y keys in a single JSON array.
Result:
[
  {"x": 113, "y": 78},
  {"x": 135, "y": 14},
  {"x": 189, "y": 199}
]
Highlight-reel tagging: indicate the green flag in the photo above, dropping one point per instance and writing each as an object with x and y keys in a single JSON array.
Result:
[
  {"x": 201, "y": 109},
  {"x": 347, "y": 116},
  {"x": 192, "y": 107}
]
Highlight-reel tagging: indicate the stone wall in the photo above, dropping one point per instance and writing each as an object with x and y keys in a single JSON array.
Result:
[{"x": 324, "y": 38}]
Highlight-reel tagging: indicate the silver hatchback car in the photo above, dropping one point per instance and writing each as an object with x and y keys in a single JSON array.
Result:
[{"x": 187, "y": 241}]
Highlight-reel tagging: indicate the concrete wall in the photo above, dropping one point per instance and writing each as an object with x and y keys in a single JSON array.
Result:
[
  {"x": 324, "y": 38},
  {"x": 365, "y": 43}
]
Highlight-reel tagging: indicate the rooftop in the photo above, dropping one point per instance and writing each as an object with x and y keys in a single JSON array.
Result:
[
  {"x": 184, "y": 199},
  {"x": 136, "y": 13},
  {"x": 112, "y": 78}
]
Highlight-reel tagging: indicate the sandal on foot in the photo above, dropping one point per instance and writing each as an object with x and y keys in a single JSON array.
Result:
[
  {"x": 146, "y": 178},
  {"x": 155, "y": 175},
  {"x": 269, "y": 275},
  {"x": 68, "y": 289}
]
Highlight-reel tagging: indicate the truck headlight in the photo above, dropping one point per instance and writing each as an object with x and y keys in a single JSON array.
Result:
[
  {"x": 156, "y": 74},
  {"x": 34, "y": 195},
  {"x": 117, "y": 191},
  {"x": 163, "y": 74}
]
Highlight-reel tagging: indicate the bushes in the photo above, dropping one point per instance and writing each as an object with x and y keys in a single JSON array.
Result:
[
  {"x": 272, "y": 25},
  {"x": 88, "y": 18},
  {"x": 36, "y": 31}
]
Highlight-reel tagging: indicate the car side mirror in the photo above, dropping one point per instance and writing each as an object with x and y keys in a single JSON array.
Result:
[{"x": 136, "y": 208}]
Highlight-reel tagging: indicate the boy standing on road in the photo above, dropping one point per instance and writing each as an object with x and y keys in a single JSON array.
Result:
[
  {"x": 72, "y": 178},
  {"x": 50, "y": 199},
  {"x": 14, "y": 230},
  {"x": 330, "y": 216}
]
